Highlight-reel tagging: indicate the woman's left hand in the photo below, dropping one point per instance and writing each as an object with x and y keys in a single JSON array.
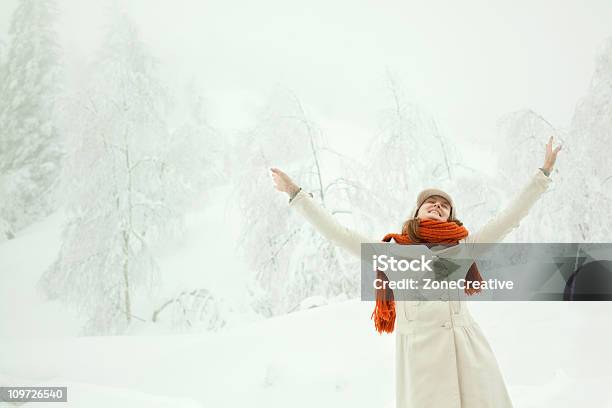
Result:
[{"x": 551, "y": 156}]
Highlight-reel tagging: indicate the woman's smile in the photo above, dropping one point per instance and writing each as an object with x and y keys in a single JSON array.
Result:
[{"x": 434, "y": 207}]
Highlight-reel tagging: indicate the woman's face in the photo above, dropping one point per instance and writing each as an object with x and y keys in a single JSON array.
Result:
[{"x": 434, "y": 208}]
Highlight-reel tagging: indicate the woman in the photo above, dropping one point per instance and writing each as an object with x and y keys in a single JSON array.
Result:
[{"x": 443, "y": 359}]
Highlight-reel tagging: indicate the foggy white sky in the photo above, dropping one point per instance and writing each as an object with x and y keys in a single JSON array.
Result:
[{"x": 468, "y": 62}]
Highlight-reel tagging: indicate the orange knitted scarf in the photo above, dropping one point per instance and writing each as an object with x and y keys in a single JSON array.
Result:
[{"x": 430, "y": 231}]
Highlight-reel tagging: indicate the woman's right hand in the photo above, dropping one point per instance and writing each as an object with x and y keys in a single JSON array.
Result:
[
  {"x": 282, "y": 182},
  {"x": 551, "y": 156}
]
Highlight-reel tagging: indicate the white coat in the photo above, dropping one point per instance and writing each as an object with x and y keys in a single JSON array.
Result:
[{"x": 443, "y": 359}]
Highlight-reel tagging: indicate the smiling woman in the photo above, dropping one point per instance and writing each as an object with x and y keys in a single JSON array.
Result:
[
  {"x": 435, "y": 207},
  {"x": 432, "y": 204},
  {"x": 455, "y": 366}
]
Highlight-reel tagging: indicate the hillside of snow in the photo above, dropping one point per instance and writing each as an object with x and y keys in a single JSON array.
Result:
[{"x": 327, "y": 356}]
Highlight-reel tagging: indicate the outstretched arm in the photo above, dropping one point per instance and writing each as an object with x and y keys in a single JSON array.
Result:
[
  {"x": 502, "y": 224},
  {"x": 318, "y": 216},
  {"x": 496, "y": 229}
]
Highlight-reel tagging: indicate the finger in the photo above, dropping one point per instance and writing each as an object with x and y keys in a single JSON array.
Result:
[{"x": 277, "y": 172}]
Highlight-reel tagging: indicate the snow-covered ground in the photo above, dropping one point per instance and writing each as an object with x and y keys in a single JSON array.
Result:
[
  {"x": 327, "y": 356},
  {"x": 551, "y": 354}
]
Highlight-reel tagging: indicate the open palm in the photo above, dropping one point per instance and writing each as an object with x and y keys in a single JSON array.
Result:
[
  {"x": 282, "y": 182},
  {"x": 551, "y": 155}
]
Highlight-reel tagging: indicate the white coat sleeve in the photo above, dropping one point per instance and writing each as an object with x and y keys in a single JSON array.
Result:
[
  {"x": 501, "y": 225},
  {"x": 327, "y": 225}
]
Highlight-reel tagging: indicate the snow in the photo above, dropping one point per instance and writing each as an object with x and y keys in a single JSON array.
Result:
[
  {"x": 325, "y": 350},
  {"x": 22, "y": 260},
  {"x": 551, "y": 353},
  {"x": 319, "y": 357}
]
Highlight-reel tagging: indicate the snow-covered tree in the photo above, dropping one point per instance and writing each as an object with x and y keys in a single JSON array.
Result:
[
  {"x": 193, "y": 307},
  {"x": 590, "y": 191},
  {"x": 198, "y": 150},
  {"x": 200, "y": 154},
  {"x": 290, "y": 260},
  {"x": 125, "y": 192},
  {"x": 409, "y": 153},
  {"x": 522, "y": 137},
  {"x": 30, "y": 150}
]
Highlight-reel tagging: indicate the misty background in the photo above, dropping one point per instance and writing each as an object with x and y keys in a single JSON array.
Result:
[{"x": 132, "y": 131}]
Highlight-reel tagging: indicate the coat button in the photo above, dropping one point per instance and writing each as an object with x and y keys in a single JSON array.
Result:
[{"x": 447, "y": 325}]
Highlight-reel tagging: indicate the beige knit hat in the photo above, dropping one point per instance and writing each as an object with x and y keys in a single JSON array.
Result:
[{"x": 425, "y": 194}]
